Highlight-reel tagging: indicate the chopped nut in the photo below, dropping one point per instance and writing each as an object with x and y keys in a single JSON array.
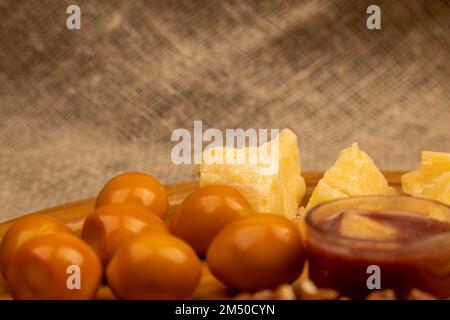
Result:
[
  {"x": 307, "y": 290},
  {"x": 263, "y": 295},
  {"x": 258, "y": 295},
  {"x": 416, "y": 294},
  {"x": 244, "y": 296},
  {"x": 284, "y": 292},
  {"x": 327, "y": 294},
  {"x": 386, "y": 294}
]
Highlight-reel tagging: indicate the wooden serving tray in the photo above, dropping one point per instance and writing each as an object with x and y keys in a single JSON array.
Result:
[{"x": 73, "y": 214}]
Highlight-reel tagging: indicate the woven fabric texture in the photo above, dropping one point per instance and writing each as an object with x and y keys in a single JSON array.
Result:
[{"x": 78, "y": 107}]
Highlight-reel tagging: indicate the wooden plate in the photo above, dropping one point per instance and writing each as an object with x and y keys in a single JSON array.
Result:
[{"x": 73, "y": 215}]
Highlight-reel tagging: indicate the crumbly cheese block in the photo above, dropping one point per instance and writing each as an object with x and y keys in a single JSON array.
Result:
[
  {"x": 432, "y": 179},
  {"x": 353, "y": 174},
  {"x": 323, "y": 193},
  {"x": 272, "y": 184}
]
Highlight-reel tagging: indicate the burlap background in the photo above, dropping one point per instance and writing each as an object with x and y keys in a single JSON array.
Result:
[{"x": 78, "y": 107}]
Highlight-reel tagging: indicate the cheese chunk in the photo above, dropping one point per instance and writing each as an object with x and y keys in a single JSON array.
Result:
[
  {"x": 432, "y": 179},
  {"x": 353, "y": 174},
  {"x": 272, "y": 184}
]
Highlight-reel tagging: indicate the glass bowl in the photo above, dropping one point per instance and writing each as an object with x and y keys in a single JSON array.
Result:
[{"x": 415, "y": 253}]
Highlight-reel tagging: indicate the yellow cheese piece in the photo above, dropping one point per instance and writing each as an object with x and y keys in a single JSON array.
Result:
[
  {"x": 432, "y": 179},
  {"x": 353, "y": 174},
  {"x": 271, "y": 185},
  {"x": 323, "y": 193}
]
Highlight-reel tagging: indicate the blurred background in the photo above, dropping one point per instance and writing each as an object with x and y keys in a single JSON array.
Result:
[{"x": 78, "y": 107}]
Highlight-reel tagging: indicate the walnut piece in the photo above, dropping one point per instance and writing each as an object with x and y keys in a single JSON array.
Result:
[
  {"x": 306, "y": 290},
  {"x": 416, "y": 294},
  {"x": 386, "y": 294},
  {"x": 283, "y": 292}
]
